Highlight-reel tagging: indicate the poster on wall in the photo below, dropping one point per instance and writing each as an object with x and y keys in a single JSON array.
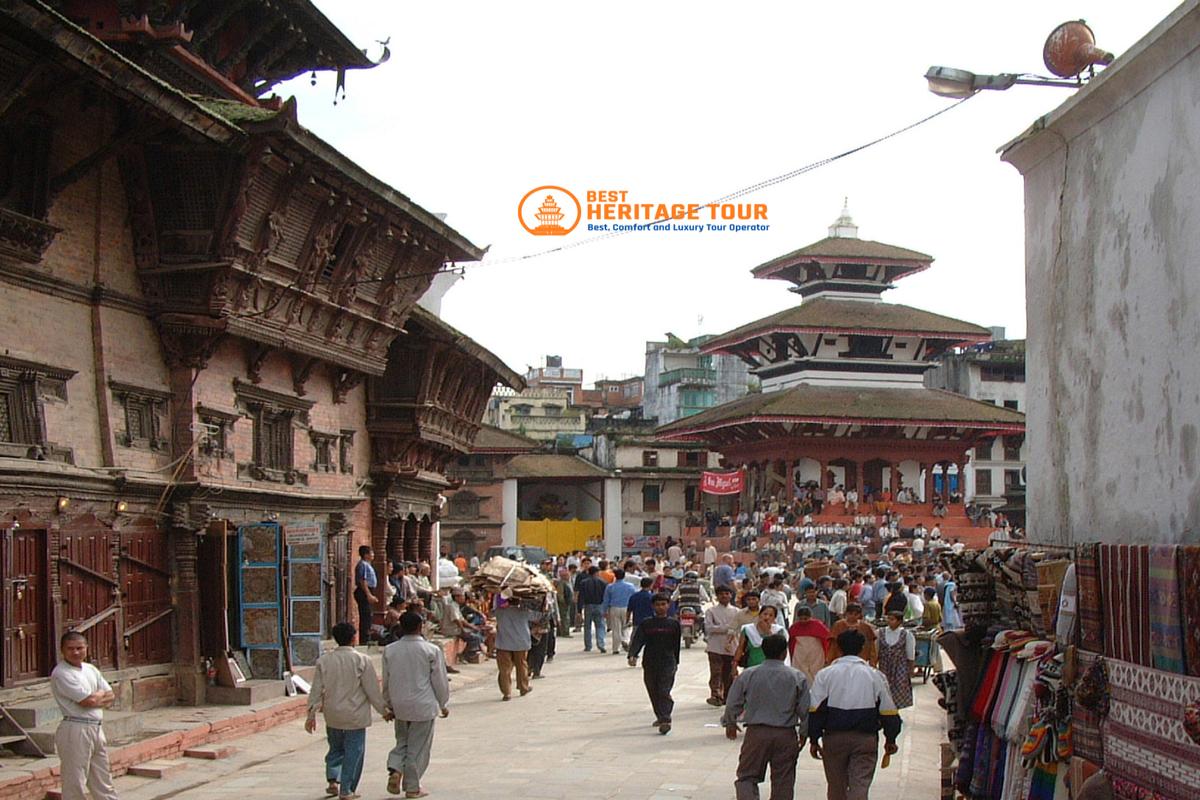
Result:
[
  {"x": 722, "y": 482},
  {"x": 632, "y": 545}
]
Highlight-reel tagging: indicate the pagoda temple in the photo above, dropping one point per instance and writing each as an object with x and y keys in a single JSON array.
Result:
[{"x": 843, "y": 399}]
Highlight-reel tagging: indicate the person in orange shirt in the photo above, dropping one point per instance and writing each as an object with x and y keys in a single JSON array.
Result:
[
  {"x": 853, "y": 621},
  {"x": 606, "y": 573},
  {"x": 460, "y": 561}
]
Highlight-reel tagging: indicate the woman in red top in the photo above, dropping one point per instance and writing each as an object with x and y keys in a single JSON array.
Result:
[{"x": 807, "y": 640}]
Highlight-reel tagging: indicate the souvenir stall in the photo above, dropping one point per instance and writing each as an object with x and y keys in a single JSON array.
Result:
[
  {"x": 1006, "y": 699},
  {"x": 1075, "y": 673}
]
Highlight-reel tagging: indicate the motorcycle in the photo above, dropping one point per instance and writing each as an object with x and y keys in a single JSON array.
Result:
[{"x": 691, "y": 624}]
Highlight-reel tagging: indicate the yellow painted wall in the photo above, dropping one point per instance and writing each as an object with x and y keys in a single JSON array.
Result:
[{"x": 559, "y": 536}]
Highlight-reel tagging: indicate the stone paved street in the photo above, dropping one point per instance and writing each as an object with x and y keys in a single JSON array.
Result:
[{"x": 584, "y": 732}]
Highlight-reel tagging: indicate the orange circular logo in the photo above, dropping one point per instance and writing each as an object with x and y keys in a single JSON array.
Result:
[{"x": 549, "y": 211}]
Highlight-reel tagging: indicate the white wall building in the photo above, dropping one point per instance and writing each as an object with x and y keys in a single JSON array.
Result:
[
  {"x": 1112, "y": 207},
  {"x": 994, "y": 373}
]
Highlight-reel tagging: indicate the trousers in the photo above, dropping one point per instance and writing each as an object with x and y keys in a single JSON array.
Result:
[
  {"x": 83, "y": 757},
  {"x": 537, "y": 654},
  {"x": 720, "y": 675},
  {"x": 619, "y": 630},
  {"x": 507, "y": 660},
  {"x": 365, "y": 613},
  {"x": 593, "y": 618},
  {"x": 344, "y": 761},
  {"x": 763, "y": 745},
  {"x": 414, "y": 740},
  {"x": 849, "y": 760},
  {"x": 660, "y": 680}
]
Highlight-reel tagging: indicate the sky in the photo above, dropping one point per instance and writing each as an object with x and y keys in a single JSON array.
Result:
[{"x": 684, "y": 102}]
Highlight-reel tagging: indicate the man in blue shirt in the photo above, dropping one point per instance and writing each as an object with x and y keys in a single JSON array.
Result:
[
  {"x": 616, "y": 608},
  {"x": 723, "y": 574},
  {"x": 641, "y": 605},
  {"x": 364, "y": 592}
]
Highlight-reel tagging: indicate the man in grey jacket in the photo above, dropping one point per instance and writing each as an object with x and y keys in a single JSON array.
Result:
[
  {"x": 345, "y": 688},
  {"x": 771, "y": 700},
  {"x": 416, "y": 689}
]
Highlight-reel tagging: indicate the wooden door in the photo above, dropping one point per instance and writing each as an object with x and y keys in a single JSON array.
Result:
[
  {"x": 25, "y": 606},
  {"x": 146, "y": 600},
  {"x": 89, "y": 585}
]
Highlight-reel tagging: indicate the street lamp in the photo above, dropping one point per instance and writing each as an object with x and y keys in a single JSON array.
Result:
[{"x": 1069, "y": 51}]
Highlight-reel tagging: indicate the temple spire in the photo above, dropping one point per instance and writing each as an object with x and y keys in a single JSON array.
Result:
[{"x": 844, "y": 227}]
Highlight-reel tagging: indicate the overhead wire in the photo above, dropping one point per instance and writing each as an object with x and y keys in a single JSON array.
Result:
[
  {"x": 766, "y": 183},
  {"x": 755, "y": 187}
]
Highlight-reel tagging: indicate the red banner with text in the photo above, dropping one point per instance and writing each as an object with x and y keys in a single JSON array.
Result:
[{"x": 722, "y": 482}]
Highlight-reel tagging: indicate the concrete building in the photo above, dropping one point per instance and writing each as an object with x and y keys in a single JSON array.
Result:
[
  {"x": 660, "y": 483},
  {"x": 555, "y": 376},
  {"x": 1112, "y": 206},
  {"x": 994, "y": 373},
  {"x": 682, "y": 379},
  {"x": 540, "y": 413}
]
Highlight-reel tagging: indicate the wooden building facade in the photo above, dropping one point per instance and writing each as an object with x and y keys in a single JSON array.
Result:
[{"x": 215, "y": 382}]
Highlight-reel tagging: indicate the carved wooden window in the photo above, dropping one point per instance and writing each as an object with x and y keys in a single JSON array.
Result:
[
  {"x": 273, "y": 441},
  {"x": 19, "y": 423},
  {"x": 24, "y": 159},
  {"x": 346, "y": 452},
  {"x": 145, "y": 413},
  {"x": 324, "y": 450},
  {"x": 24, "y": 386},
  {"x": 216, "y": 432},
  {"x": 464, "y": 505},
  {"x": 274, "y": 416}
]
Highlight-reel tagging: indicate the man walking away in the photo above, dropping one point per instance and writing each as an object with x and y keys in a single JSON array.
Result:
[
  {"x": 590, "y": 592},
  {"x": 417, "y": 690},
  {"x": 641, "y": 605},
  {"x": 615, "y": 608},
  {"x": 772, "y": 701},
  {"x": 720, "y": 628},
  {"x": 850, "y": 702},
  {"x": 364, "y": 592},
  {"x": 82, "y": 694},
  {"x": 344, "y": 688},
  {"x": 660, "y": 635},
  {"x": 513, "y": 643}
]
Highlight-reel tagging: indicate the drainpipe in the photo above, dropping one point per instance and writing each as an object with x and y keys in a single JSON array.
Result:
[{"x": 99, "y": 368}]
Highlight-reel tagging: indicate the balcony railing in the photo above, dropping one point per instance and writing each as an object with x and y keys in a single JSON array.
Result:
[{"x": 688, "y": 376}]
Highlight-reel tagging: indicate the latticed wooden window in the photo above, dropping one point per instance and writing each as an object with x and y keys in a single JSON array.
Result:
[
  {"x": 323, "y": 451},
  {"x": 6, "y": 427},
  {"x": 273, "y": 440}
]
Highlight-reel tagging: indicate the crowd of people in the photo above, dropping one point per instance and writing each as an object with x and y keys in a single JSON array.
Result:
[{"x": 817, "y": 650}]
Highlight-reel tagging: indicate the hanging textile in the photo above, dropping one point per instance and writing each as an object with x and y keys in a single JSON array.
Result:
[
  {"x": 1189, "y": 595},
  {"x": 1144, "y": 736},
  {"x": 1166, "y": 621},
  {"x": 1125, "y": 571},
  {"x": 1091, "y": 616},
  {"x": 1068, "y": 608}
]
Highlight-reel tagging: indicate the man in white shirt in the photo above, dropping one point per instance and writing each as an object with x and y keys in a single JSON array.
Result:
[
  {"x": 344, "y": 688},
  {"x": 82, "y": 694},
  {"x": 417, "y": 690},
  {"x": 720, "y": 629},
  {"x": 710, "y": 553}
]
